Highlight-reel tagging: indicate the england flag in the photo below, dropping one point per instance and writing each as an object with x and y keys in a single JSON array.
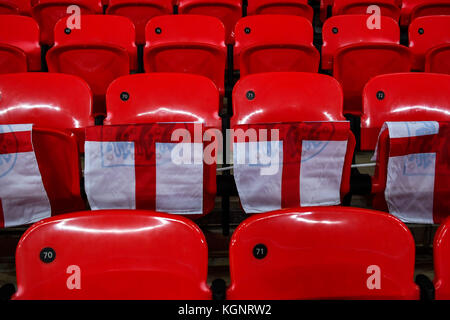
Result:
[
  {"x": 290, "y": 164},
  {"x": 418, "y": 170},
  {"x": 145, "y": 166},
  {"x": 23, "y": 198}
]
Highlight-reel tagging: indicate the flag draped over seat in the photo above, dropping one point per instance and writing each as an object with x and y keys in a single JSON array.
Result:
[
  {"x": 418, "y": 170},
  {"x": 286, "y": 165},
  {"x": 145, "y": 166},
  {"x": 23, "y": 198}
]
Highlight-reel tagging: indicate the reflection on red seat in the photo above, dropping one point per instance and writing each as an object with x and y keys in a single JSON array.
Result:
[
  {"x": 441, "y": 257},
  {"x": 266, "y": 43},
  {"x": 136, "y": 256},
  {"x": 48, "y": 12},
  {"x": 322, "y": 253},
  {"x": 47, "y": 100},
  {"x": 286, "y": 97},
  {"x": 140, "y": 12},
  {"x": 288, "y": 7},
  {"x": 227, "y": 11},
  {"x": 356, "y": 54},
  {"x": 388, "y": 8},
  {"x": 101, "y": 51},
  {"x": 426, "y": 34},
  {"x": 163, "y": 97},
  {"x": 412, "y": 9},
  {"x": 22, "y": 33},
  {"x": 168, "y": 97},
  {"x": 187, "y": 43},
  {"x": 403, "y": 97}
]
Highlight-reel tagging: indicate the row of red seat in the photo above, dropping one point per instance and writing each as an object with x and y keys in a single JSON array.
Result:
[
  {"x": 47, "y": 12},
  {"x": 64, "y": 102},
  {"x": 311, "y": 253},
  {"x": 103, "y": 49}
]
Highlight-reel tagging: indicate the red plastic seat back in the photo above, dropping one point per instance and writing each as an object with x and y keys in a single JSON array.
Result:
[
  {"x": 12, "y": 59},
  {"x": 356, "y": 64},
  {"x": 48, "y": 100},
  {"x": 437, "y": 59},
  {"x": 286, "y": 97},
  {"x": 48, "y": 12},
  {"x": 136, "y": 255},
  {"x": 163, "y": 97},
  {"x": 23, "y": 33},
  {"x": 287, "y": 7},
  {"x": 322, "y": 253},
  {"x": 227, "y": 11},
  {"x": 403, "y": 97},
  {"x": 266, "y": 43},
  {"x": 101, "y": 51},
  {"x": 388, "y": 8},
  {"x": 412, "y": 9},
  {"x": 340, "y": 31},
  {"x": 426, "y": 33},
  {"x": 187, "y": 43},
  {"x": 140, "y": 12},
  {"x": 441, "y": 257},
  {"x": 9, "y": 7}
]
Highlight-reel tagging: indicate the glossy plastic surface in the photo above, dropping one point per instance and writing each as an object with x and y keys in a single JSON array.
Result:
[
  {"x": 139, "y": 12},
  {"x": 101, "y": 51},
  {"x": 412, "y": 9},
  {"x": 287, "y": 7},
  {"x": 119, "y": 254},
  {"x": 388, "y": 8},
  {"x": 441, "y": 256},
  {"x": 406, "y": 97},
  {"x": 438, "y": 59},
  {"x": 426, "y": 33},
  {"x": 267, "y": 43},
  {"x": 227, "y": 11},
  {"x": 48, "y": 100},
  {"x": 344, "y": 30},
  {"x": 23, "y": 33},
  {"x": 22, "y": 7},
  {"x": 12, "y": 59},
  {"x": 287, "y": 97},
  {"x": 322, "y": 253},
  {"x": 354, "y": 65},
  {"x": 163, "y": 97},
  {"x": 48, "y": 12},
  {"x": 188, "y": 44}
]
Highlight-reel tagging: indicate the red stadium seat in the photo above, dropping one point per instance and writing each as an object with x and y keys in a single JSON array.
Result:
[
  {"x": 403, "y": 97},
  {"x": 12, "y": 59},
  {"x": 441, "y": 256},
  {"x": 22, "y": 33},
  {"x": 140, "y": 12},
  {"x": 136, "y": 256},
  {"x": 357, "y": 54},
  {"x": 163, "y": 97},
  {"x": 267, "y": 43},
  {"x": 57, "y": 158},
  {"x": 322, "y": 253},
  {"x": 426, "y": 34},
  {"x": 412, "y": 9},
  {"x": 289, "y": 7},
  {"x": 47, "y": 100},
  {"x": 437, "y": 60},
  {"x": 388, "y": 8},
  {"x": 167, "y": 97},
  {"x": 291, "y": 97},
  {"x": 101, "y": 51},
  {"x": 189, "y": 44},
  {"x": 48, "y": 12},
  {"x": 227, "y": 11},
  {"x": 287, "y": 97},
  {"x": 22, "y": 7}
]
